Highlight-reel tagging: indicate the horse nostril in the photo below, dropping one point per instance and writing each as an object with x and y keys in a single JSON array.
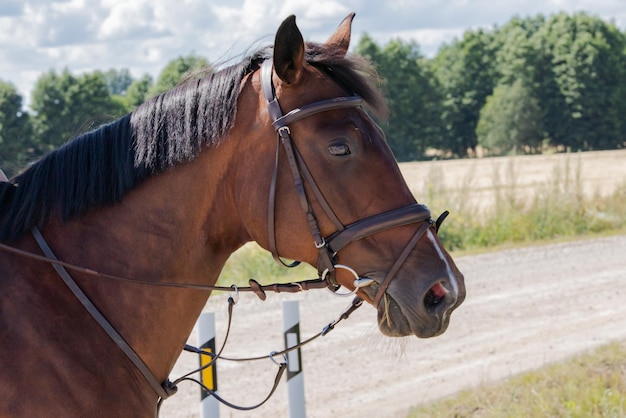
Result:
[{"x": 435, "y": 295}]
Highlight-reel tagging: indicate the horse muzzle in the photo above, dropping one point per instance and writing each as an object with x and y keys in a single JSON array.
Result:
[{"x": 425, "y": 314}]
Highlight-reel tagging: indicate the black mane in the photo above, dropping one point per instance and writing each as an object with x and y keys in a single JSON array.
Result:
[{"x": 99, "y": 167}]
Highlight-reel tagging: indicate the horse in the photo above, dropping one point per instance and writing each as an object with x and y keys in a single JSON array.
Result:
[{"x": 279, "y": 148}]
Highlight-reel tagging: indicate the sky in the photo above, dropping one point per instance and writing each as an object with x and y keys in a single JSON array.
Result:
[{"x": 144, "y": 35}]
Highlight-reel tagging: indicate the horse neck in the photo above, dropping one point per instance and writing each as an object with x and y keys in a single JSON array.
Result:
[{"x": 165, "y": 230}]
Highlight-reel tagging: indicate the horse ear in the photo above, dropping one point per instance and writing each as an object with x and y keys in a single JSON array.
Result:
[
  {"x": 341, "y": 38},
  {"x": 289, "y": 51}
]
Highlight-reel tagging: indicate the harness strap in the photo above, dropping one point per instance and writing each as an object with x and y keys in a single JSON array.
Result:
[
  {"x": 164, "y": 391},
  {"x": 255, "y": 287},
  {"x": 400, "y": 261},
  {"x": 318, "y": 193},
  {"x": 377, "y": 223},
  {"x": 271, "y": 212},
  {"x": 354, "y": 305},
  {"x": 295, "y": 162},
  {"x": 317, "y": 107}
]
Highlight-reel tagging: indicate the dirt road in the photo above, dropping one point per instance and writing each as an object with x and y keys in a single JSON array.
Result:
[{"x": 525, "y": 307}]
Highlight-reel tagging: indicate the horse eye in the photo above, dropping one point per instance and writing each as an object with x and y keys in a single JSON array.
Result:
[{"x": 339, "y": 150}]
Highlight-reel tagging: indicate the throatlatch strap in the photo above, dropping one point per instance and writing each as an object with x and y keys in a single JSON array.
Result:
[{"x": 164, "y": 391}]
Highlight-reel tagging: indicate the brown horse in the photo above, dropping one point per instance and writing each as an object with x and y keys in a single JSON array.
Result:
[{"x": 167, "y": 193}]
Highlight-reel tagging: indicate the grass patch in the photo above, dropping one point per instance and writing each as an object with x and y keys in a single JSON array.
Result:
[
  {"x": 253, "y": 262},
  {"x": 558, "y": 209},
  {"x": 590, "y": 385}
]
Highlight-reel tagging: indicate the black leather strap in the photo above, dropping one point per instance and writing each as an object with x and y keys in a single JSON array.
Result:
[
  {"x": 400, "y": 261},
  {"x": 280, "y": 123},
  {"x": 317, "y": 107},
  {"x": 163, "y": 391},
  {"x": 377, "y": 223}
]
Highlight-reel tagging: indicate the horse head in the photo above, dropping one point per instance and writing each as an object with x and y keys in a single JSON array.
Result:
[{"x": 338, "y": 200}]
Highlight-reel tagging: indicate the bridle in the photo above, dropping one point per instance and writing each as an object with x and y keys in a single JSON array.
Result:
[{"x": 329, "y": 246}]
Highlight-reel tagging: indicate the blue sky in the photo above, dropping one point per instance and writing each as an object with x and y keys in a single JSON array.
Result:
[{"x": 143, "y": 35}]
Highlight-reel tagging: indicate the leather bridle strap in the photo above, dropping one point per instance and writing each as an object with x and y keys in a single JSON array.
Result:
[
  {"x": 400, "y": 261},
  {"x": 295, "y": 162},
  {"x": 377, "y": 223},
  {"x": 280, "y": 120},
  {"x": 163, "y": 391}
]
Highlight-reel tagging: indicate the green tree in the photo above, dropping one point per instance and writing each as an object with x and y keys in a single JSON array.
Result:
[
  {"x": 118, "y": 81},
  {"x": 514, "y": 53},
  {"x": 412, "y": 93},
  {"x": 138, "y": 91},
  {"x": 596, "y": 92},
  {"x": 15, "y": 131},
  {"x": 176, "y": 71},
  {"x": 66, "y": 105},
  {"x": 580, "y": 81},
  {"x": 573, "y": 65},
  {"x": 466, "y": 71},
  {"x": 510, "y": 119}
]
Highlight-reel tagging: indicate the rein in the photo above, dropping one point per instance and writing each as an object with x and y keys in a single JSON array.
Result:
[
  {"x": 254, "y": 286},
  {"x": 355, "y": 304}
]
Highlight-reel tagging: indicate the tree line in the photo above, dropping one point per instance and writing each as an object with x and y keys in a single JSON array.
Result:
[
  {"x": 63, "y": 105},
  {"x": 536, "y": 83}
]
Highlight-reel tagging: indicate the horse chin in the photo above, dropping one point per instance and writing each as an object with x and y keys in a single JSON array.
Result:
[{"x": 392, "y": 322}]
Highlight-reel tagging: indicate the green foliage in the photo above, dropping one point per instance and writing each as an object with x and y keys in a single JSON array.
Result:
[
  {"x": 590, "y": 385},
  {"x": 176, "y": 71},
  {"x": 575, "y": 68},
  {"x": 572, "y": 69},
  {"x": 118, "y": 80},
  {"x": 510, "y": 119},
  {"x": 15, "y": 130},
  {"x": 413, "y": 96},
  {"x": 138, "y": 92},
  {"x": 465, "y": 71},
  {"x": 66, "y": 105}
]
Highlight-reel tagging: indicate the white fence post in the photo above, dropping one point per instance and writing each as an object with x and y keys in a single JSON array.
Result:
[
  {"x": 209, "y": 407},
  {"x": 295, "y": 377}
]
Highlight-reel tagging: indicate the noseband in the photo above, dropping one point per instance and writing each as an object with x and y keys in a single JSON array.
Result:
[{"x": 345, "y": 234}]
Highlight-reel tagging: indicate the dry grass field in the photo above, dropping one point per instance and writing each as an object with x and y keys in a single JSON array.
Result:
[{"x": 477, "y": 180}]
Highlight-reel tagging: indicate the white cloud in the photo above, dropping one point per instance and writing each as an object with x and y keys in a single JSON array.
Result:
[{"x": 116, "y": 24}]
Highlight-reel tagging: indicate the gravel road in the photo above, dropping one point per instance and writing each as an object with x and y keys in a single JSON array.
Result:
[{"x": 525, "y": 307}]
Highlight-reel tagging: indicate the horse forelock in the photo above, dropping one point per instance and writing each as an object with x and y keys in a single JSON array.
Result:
[{"x": 99, "y": 167}]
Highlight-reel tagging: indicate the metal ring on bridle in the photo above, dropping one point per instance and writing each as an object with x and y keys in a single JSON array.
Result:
[
  {"x": 234, "y": 298},
  {"x": 273, "y": 353},
  {"x": 358, "y": 281}
]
